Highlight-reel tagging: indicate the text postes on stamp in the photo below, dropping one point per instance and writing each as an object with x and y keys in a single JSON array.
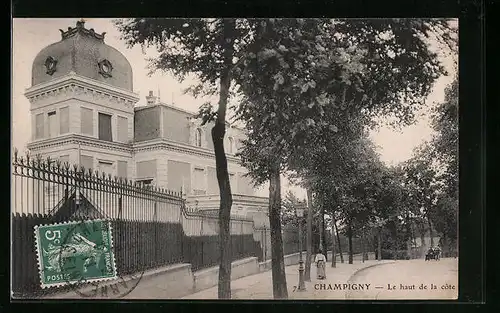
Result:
[{"x": 75, "y": 252}]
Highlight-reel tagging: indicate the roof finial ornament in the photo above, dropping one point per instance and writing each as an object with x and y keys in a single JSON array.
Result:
[
  {"x": 80, "y": 29},
  {"x": 80, "y": 23}
]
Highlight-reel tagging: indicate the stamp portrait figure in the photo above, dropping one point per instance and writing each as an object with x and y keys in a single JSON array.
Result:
[{"x": 75, "y": 252}]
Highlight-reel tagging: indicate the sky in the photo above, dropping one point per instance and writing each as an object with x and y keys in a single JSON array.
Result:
[{"x": 32, "y": 35}]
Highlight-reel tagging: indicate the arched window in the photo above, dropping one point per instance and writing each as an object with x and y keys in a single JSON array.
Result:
[
  {"x": 230, "y": 145},
  {"x": 197, "y": 137}
]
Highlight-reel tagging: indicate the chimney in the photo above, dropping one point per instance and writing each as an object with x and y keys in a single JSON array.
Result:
[{"x": 150, "y": 99}]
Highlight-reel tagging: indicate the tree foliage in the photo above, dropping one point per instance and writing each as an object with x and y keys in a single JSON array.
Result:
[
  {"x": 428, "y": 182},
  {"x": 313, "y": 86},
  {"x": 188, "y": 46},
  {"x": 445, "y": 142},
  {"x": 309, "y": 88}
]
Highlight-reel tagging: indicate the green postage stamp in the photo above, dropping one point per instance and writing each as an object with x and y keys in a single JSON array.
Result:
[{"x": 75, "y": 252}]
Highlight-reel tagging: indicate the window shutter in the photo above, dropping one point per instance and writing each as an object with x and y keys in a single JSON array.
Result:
[
  {"x": 64, "y": 120},
  {"x": 122, "y": 169},
  {"x": 87, "y": 162},
  {"x": 146, "y": 169},
  {"x": 122, "y": 129},
  {"x": 213, "y": 184},
  {"x": 52, "y": 118},
  {"x": 105, "y": 167},
  {"x": 39, "y": 121},
  {"x": 199, "y": 187},
  {"x": 87, "y": 121},
  {"x": 232, "y": 182}
]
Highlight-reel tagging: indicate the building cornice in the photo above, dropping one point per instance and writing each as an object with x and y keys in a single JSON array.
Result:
[
  {"x": 150, "y": 145},
  {"x": 192, "y": 115},
  {"x": 168, "y": 106},
  {"x": 75, "y": 84},
  {"x": 78, "y": 139},
  {"x": 165, "y": 144}
]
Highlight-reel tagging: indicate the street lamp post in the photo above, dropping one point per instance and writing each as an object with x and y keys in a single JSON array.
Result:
[{"x": 300, "y": 214}]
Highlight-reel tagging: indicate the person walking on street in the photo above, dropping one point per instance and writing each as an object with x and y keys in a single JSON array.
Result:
[
  {"x": 320, "y": 261},
  {"x": 437, "y": 252}
]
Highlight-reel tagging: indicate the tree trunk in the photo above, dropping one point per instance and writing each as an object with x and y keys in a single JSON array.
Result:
[
  {"x": 363, "y": 246},
  {"x": 324, "y": 247},
  {"x": 413, "y": 246},
  {"x": 379, "y": 244},
  {"x": 338, "y": 241},
  {"x": 278, "y": 264},
  {"x": 421, "y": 230},
  {"x": 396, "y": 244},
  {"x": 408, "y": 235},
  {"x": 334, "y": 252},
  {"x": 431, "y": 233},
  {"x": 445, "y": 246},
  {"x": 349, "y": 237},
  {"x": 226, "y": 200},
  {"x": 321, "y": 238},
  {"x": 422, "y": 244},
  {"x": 307, "y": 274}
]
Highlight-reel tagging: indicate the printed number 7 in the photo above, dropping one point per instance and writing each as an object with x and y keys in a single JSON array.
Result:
[
  {"x": 294, "y": 288},
  {"x": 53, "y": 235}
]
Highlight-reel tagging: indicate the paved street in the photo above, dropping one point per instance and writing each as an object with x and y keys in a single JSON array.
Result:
[
  {"x": 371, "y": 280},
  {"x": 259, "y": 286},
  {"x": 365, "y": 277},
  {"x": 413, "y": 279}
]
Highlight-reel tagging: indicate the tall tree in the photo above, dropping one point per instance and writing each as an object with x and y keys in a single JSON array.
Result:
[
  {"x": 264, "y": 164},
  {"x": 388, "y": 204},
  {"x": 432, "y": 173},
  {"x": 421, "y": 174},
  {"x": 445, "y": 143},
  {"x": 208, "y": 49}
]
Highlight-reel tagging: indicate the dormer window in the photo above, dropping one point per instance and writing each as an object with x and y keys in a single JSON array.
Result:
[
  {"x": 50, "y": 65},
  {"x": 197, "y": 137},
  {"x": 105, "y": 68}
]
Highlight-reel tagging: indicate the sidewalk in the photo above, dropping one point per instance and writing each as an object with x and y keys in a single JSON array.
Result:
[{"x": 259, "y": 286}]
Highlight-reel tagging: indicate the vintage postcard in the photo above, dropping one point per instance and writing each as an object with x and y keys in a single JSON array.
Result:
[{"x": 239, "y": 158}]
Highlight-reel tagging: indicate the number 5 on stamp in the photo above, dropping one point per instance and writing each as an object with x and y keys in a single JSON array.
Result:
[{"x": 75, "y": 252}]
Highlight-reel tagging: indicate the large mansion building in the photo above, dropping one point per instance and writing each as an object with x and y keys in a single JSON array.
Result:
[{"x": 83, "y": 111}]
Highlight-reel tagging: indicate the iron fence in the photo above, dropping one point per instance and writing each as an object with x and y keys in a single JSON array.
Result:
[
  {"x": 151, "y": 226},
  {"x": 202, "y": 245}
]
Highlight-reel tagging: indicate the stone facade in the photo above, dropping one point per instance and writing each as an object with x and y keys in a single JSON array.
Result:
[{"x": 79, "y": 119}]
